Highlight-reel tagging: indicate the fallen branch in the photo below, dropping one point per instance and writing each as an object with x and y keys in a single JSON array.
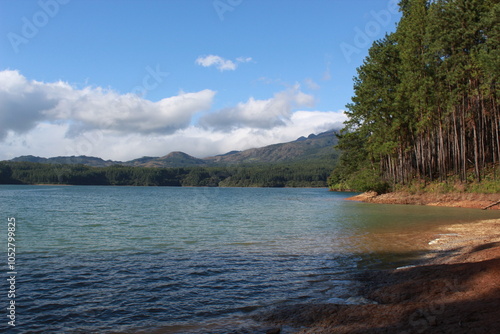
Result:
[{"x": 489, "y": 206}]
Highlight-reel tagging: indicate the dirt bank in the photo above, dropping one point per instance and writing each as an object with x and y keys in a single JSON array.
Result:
[
  {"x": 456, "y": 290},
  {"x": 478, "y": 201}
]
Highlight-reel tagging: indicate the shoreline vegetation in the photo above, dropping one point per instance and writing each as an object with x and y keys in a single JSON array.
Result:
[
  {"x": 453, "y": 289},
  {"x": 426, "y": 105}
]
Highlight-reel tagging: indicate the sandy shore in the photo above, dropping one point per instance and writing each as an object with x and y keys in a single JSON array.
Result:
[
  {"x": 476, "y": 201},
  {"x": 456, "y": 289}
]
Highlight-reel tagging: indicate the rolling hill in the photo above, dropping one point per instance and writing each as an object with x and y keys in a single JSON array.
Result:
[{"x": 314, "y": 148}]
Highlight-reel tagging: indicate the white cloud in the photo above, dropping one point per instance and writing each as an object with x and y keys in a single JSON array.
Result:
[
  {"x": 48, "y": 140},
  {"x": 56, "y": 119},
  {"x": 244, "y": 59},
  {"x": 259, "y": 114},
  {"x": 221, "y": 63},
  {"x": 311, "y": 84},
  {"x": 301, "y": 123},
  {"x": 327, "y": 75},
  {"x": 202, "y": 142},
  {"x": 24, "y": 104}
]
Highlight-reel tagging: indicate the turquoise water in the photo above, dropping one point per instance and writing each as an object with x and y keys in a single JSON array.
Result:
[{"x": 108, "y": 259}]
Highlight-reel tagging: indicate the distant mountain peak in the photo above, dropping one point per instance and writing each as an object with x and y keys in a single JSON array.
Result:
[
  {"x": 177, "y": 154},
  {"x": 313, "y": 147}
]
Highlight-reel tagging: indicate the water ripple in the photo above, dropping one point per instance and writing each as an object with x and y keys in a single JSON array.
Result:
[{"x": 126, "y": 259}]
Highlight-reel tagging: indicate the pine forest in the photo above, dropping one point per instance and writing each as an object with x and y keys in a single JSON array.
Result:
[{"x": 426, "y": 102}]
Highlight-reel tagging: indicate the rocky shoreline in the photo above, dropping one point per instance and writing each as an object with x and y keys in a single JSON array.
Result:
[
  {"x": 458, "y": 200},
  {"x": 456, "y": 289}
]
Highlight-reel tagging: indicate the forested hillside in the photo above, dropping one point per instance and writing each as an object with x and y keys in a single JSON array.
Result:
[
  {"x": 255, "y": 175},
  {"x": 426, "y": 103},
  {"x": 305, "y": 162}
]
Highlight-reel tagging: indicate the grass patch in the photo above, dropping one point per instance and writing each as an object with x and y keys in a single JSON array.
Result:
[{"x": 489, "y": 184}]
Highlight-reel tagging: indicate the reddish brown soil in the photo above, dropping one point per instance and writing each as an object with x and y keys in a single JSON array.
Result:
[
  {"x": 457, "y": 290},
  {"x": 478, "y": 201}
]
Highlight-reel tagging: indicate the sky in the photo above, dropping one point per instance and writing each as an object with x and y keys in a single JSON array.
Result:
[{"x": 125, "y": 79}]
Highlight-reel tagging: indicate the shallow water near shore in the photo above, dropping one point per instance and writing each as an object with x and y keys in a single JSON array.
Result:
[{"x": 131, "y": 259}]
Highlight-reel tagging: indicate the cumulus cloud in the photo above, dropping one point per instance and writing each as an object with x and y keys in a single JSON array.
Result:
[
  {"x": 24, "y": 104},
  {"x": 220, "y": 63},
  {"x": 56, "y": 119},
  {"x": 259, "y": 114},
  {"x": 48, "y": 139},
  {"x": 203, "y": 142},
  {"x": 300, "y": 123}
]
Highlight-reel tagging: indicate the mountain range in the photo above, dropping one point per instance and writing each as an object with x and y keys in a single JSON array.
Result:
[{"x": 312, "y": 148}]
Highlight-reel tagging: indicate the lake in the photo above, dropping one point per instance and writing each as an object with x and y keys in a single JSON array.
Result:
[{"x": 179, "y": 260}]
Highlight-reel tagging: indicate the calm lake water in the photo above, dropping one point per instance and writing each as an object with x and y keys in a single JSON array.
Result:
[{"x": 177, "y": 260}]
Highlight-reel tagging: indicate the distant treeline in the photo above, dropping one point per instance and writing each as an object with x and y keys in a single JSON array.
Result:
[
  {"x": 274, "y": 175},
  {"x": 427, "y": 102}
]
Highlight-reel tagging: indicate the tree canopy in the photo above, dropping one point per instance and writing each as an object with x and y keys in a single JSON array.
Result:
[
  {"x": 299, "y": 174},
  {"x": 426, "y": 102}
]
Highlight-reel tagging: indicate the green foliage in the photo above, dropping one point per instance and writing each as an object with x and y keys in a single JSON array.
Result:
[
  {"x": 5, "y": 174},
  {"x": 368, "y": 179},
  {"x": 364, "y": 179},
  {"x": 490, "y": 184},
  {"x": 426, "y": 103},
  {"x": 485, "y": 187},
  {"x": 310, "y": 174}
]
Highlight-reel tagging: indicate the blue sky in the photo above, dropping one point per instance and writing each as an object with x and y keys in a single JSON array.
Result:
[{"x": 124, "y": 79}]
